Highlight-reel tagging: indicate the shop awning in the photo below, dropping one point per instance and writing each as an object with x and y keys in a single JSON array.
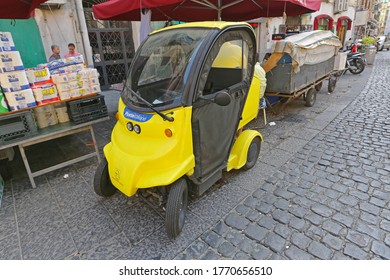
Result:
[
  {"x": 200, "y": 10},
  {"x": 18, "y": 9},
  {"x": 340, "y": 21},
  {"x": 323, "y": 16}
]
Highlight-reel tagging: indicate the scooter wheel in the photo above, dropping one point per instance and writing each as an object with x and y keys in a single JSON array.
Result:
[
  {"x": 311, "y": 97},
  {"x": 253, "y": 153},
  {"x": 359, "y": 64},
  {"x": 176, "y": 208},
  {"x": 102, "y": 183}
]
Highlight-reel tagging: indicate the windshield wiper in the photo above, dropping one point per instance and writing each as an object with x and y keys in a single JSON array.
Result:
[{"x": 150, "y": 106}]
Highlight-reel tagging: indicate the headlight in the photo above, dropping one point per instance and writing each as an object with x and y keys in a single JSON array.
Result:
[
  {"x": 137, "y": 129},
  {"x": 130, "y": 126}
]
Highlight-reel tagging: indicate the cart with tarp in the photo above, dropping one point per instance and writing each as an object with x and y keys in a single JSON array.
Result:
[{"x": 300, "y": 64}]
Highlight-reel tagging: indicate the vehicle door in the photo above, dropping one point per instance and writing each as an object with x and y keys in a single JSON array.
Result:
[{"x": 228, "y": 67}]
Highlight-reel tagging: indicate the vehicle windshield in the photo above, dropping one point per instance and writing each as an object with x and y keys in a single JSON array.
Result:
[{"x": 158, "y": 73}]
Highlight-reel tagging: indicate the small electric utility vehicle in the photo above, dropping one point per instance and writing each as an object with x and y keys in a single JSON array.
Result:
[{"x": 190, "y": 91}]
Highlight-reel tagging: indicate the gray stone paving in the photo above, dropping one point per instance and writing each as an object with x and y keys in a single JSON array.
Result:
[
  {"x": 320, "y": 190},
  {"x": 331, "y": 200}
]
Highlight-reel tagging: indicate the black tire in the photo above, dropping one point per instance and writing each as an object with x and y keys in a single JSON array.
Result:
[
  {"x": 311, "y": 97},
  {"x": 102, "y": 183},
  {"x": 331, "y": 85},
  {"x": 176, "y": 208},
  {"x": 359, "y": 67},
  {"x": 318, "y": 86},
  {"x": 253, "y": 153}
]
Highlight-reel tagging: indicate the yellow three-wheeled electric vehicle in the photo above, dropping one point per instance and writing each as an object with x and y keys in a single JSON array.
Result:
[{"x": 190, "y": 91}]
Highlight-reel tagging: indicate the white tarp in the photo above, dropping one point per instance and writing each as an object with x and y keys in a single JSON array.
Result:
[{"x": 309, "y": 47}]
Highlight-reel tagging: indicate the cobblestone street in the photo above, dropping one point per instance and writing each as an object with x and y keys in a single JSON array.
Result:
[
  {"x": 320, "y": 190},
  {"x": 329, "y": 201}
]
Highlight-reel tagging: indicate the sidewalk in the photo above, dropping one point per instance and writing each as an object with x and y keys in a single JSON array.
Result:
[{"x": 285, "y": 207}]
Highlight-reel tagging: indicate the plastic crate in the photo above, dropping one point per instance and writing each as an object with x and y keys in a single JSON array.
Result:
[
  {"x": 87, "y": 109},
  {"x": 17, "y": 126}
]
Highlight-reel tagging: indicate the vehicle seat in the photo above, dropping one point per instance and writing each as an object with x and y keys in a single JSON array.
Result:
[{"x": 226, "y": 69}]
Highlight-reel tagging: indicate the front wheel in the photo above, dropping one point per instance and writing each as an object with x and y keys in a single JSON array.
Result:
[
  {"x": 311, "y": 97},
  {"x": 101, "y": 182},
  {"x": 176, "y": 208},
  {"x": 357, "y": 67},
  {"x": 253, "y": 153}
]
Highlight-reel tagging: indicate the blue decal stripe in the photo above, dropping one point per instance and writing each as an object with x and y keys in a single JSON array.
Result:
[{"x": 135, "y": 116}]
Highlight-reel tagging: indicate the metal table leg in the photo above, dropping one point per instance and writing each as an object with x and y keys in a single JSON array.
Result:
[
  {"x": 94, "y": 142},
  {"x": 27, "y": 165}
]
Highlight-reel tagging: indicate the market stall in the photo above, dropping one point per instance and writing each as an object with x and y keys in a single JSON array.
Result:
[{"x": 46, "y": 102}]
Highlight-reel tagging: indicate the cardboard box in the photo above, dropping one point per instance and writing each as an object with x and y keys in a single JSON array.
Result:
[
  {"x": 340, "y": 61},
  {"x": 6, "y": 42},
  {"x": 10, "y": 61},
  {"x": 14, "y": 81},
  {"x": 20, "y": 99}
]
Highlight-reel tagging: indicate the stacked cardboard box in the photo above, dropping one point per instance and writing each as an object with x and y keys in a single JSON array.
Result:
[
  {"x": 78, "y": 83},
  {"x": 13, "y": 78}
]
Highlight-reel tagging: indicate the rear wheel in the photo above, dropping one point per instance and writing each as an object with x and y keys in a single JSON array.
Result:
[
  {"x": 102, "y": 183},
  {"x": 253, "y": 153},
  {"x": 176, "y": 208},
  {"x": 357, "y": 67},
  {"x": 311, "y": 97}
]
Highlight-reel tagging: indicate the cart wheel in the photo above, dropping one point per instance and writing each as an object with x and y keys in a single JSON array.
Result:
[
  {"x": 102, "y": 183},
  {"x": 311, "y": 96},
  {"x": 318, "y": 86},
  {"x": 331, "y": 85},
  {"x": 176, "y": 208},
  {"x": 253, "y": 153}
]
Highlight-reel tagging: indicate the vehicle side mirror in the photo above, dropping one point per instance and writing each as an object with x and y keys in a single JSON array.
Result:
[{"x": 222, "y": 98}]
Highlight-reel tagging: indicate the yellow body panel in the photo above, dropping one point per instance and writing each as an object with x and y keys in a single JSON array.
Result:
[
  {"x": 238, "y": 154},
  {"x": 251, "y": 107},
  {"x": 150, "y": 158}
]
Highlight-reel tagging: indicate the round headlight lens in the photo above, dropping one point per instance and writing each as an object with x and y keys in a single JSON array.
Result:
[
  {"x": 130, "y": 126},
  {"x": 137, "y": 129}
]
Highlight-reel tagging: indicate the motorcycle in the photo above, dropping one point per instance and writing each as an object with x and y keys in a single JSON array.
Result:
[{"x": 355, "y": 62}]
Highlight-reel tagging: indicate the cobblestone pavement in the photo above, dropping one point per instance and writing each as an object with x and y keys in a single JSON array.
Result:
[
  {"x": 319, "y": 190},
  {"x": 328, "y": 201}
]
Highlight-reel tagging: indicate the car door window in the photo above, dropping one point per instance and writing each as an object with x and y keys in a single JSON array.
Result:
[{"x": 228, "y": 67}]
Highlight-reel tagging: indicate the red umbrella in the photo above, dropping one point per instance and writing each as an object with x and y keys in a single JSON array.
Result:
[
  {"x": 199, "y": 10},
  {"x": 18, "y": 9}
]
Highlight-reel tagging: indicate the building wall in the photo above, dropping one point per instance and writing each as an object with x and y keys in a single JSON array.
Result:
[
  {"x": 272, "y": 26},
  {"x": 60, "y": 27},
  {"x": 326, "y": 8}
]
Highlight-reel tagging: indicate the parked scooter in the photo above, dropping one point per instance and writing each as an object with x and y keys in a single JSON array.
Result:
[{"x": 355, "y": 62}]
